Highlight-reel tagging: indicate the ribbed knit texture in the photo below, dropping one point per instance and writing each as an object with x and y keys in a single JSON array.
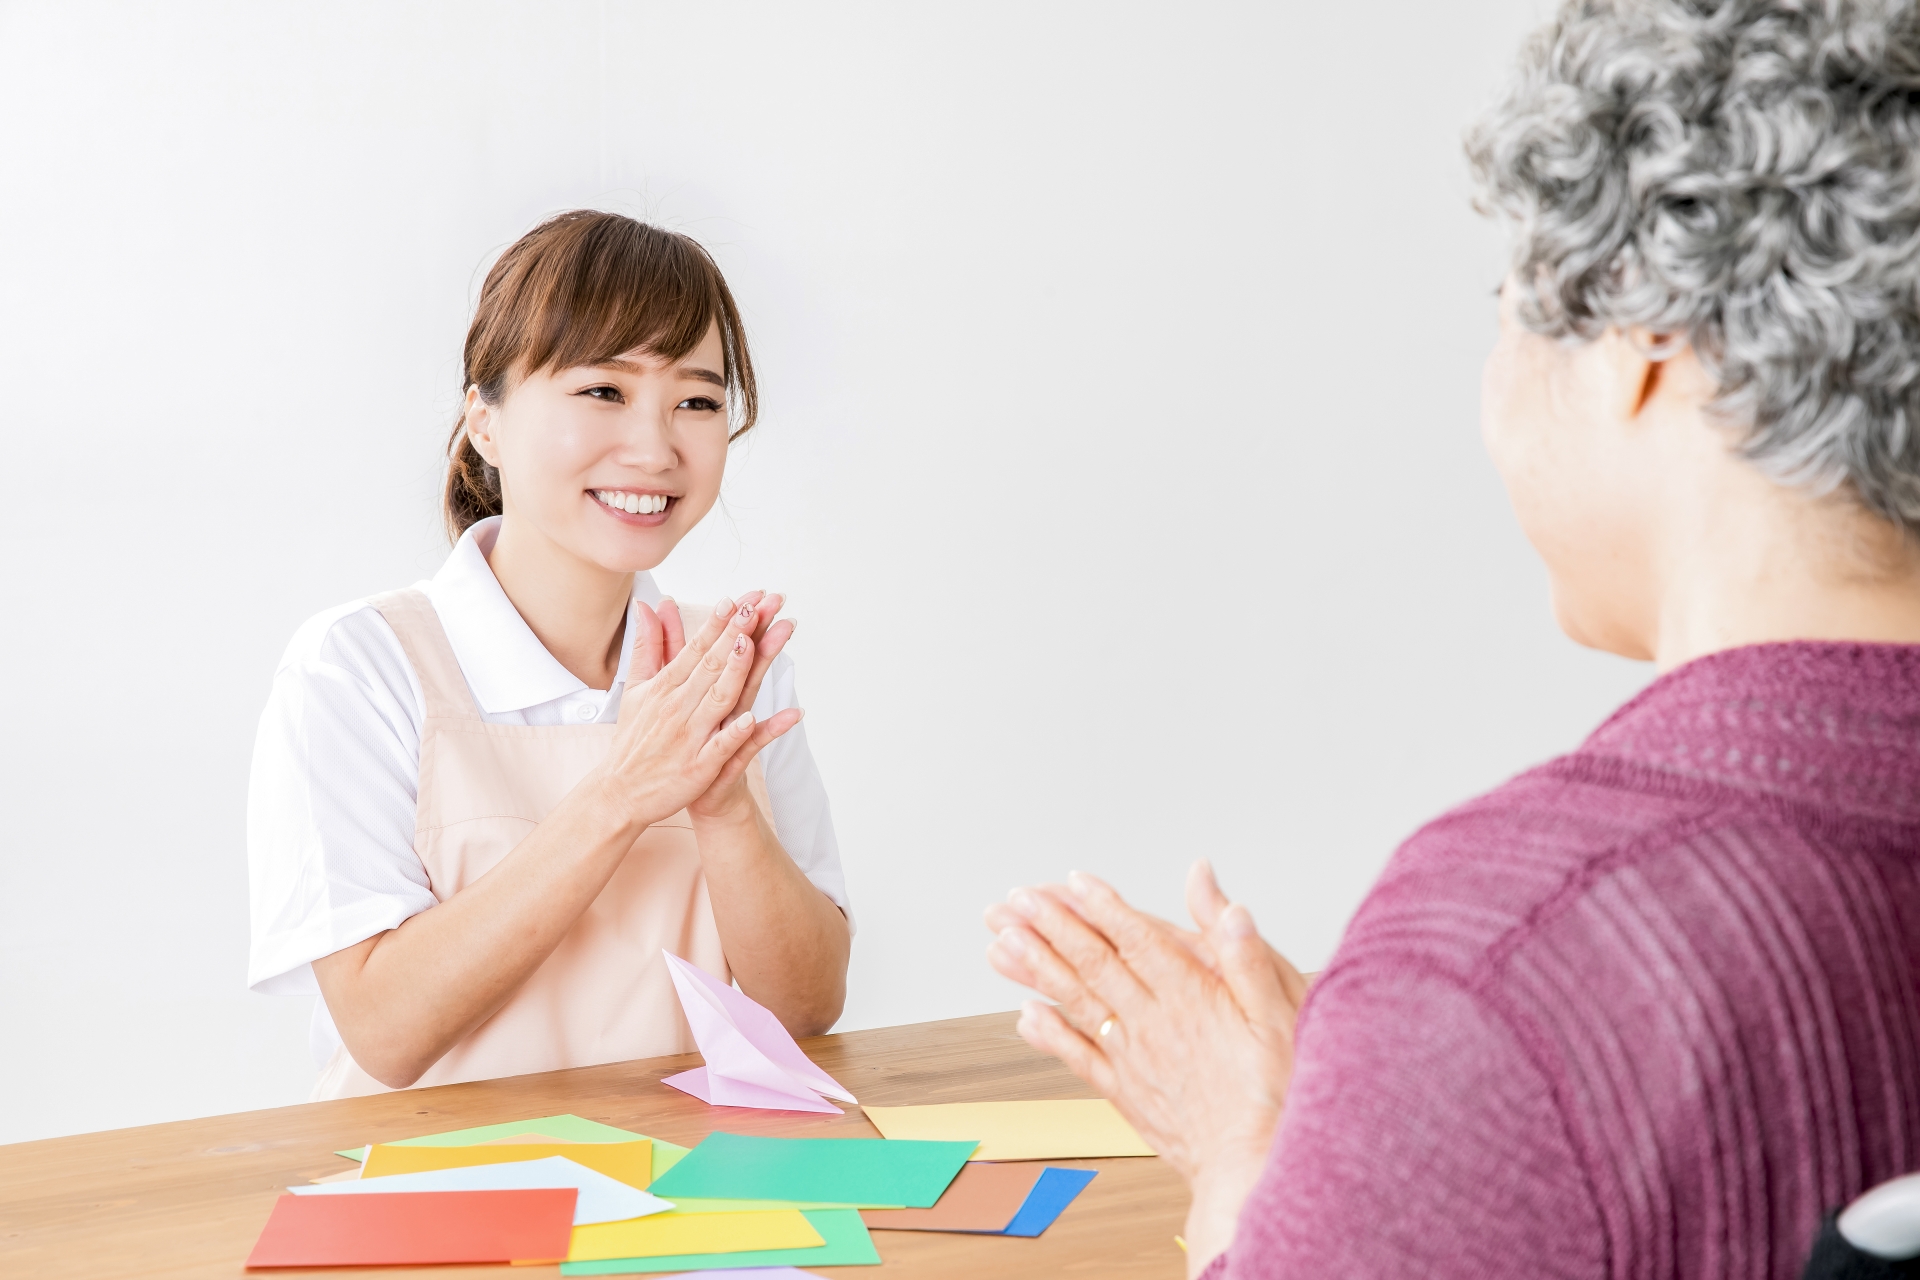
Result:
[{"x": 1647, "y": 1011}]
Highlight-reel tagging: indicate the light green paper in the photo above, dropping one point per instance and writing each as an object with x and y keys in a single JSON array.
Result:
[
  {"x": 836, "y": 1170},
  {"x": 847, "y": 1245},
  {"x": 566, "y": 1128}
]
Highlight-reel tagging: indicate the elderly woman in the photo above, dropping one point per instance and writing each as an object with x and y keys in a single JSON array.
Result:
[{"x": 1651, "y": 1009}]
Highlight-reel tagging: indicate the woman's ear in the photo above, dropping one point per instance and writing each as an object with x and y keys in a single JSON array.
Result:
[{"x": 479, "y": 419}]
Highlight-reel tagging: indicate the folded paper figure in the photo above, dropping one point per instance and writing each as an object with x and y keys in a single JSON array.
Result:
[{"x": 751, "y": 1060}]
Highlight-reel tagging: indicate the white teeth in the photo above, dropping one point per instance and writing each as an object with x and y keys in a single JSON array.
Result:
[{"x": 638, "y": 504}]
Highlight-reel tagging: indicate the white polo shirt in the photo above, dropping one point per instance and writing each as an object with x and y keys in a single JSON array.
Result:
[{"x": 336, "y": 767}]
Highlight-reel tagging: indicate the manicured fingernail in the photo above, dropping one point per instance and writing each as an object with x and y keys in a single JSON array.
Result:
[
  {"x": 1023, "y": 901},
  {"x": 1078, "y": 882},
  {"x": 745, "y": 721},
  {"x": 739, "y": 645},
  {"x": 744, "y": 613},
  {"x": 1010, "y": 940}
]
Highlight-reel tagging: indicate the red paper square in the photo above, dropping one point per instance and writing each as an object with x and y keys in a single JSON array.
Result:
[{"x": 417, "y": 1227}]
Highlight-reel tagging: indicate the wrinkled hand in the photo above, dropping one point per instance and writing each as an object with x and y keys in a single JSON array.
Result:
[
  {"x": 1198, "y": 1048},
  {"x": 686, "y": 729}
]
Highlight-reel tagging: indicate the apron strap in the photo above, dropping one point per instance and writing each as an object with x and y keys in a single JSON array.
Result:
[{"x": 424, "y": 641}]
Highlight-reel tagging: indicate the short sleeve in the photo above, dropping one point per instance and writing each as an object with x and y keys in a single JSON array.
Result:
[
  {"x": 331, "y": 800},
  {"x": 801, "y": 815},
  {"x": 1419, "y": 1138}
]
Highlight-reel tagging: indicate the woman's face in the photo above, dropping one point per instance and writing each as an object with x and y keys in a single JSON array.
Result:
[
  {"x": 1558, "y": 420},
  {"x": 615, "y": 463}
]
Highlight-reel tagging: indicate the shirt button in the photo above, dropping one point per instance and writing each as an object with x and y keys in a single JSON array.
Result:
[{"x": 586, "y": 711}]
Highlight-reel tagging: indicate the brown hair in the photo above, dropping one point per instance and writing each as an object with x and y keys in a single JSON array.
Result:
[{"x": 582, "y": 288}]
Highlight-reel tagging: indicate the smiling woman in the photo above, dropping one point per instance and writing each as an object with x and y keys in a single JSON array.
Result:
[{"x": 481, "y": 808}]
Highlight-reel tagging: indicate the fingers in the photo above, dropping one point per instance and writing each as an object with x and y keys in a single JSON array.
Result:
[
  {"x": 681, "y": 666},
  {"x": 1045, "y": 1030},
  {"x": 1093, "y": 959},
  {"x": 1205, "y": 902},
  {"x": 713, "y": 690},
  {"x": 1142, "y": 944},
  {"x": 753, "y": 743},
  {"x": 773, "y": 638},
  {"x": 671, "y": 624},
  {"x": 648, "y": 647},
  {"x": 1255, "y": 973},
  {"x": 1018, "y": 947}
]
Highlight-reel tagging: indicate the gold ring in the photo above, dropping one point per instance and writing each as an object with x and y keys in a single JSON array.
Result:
[{"x": 1106, "y": 1026}]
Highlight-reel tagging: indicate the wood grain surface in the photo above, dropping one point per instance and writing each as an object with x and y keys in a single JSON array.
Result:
[{"x": 188, "y": 1199}]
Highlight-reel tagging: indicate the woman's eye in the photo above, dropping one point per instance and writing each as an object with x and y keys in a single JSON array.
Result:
[
  {"x": 603, "y": 393},
  {"x": 700, "y": 404}
]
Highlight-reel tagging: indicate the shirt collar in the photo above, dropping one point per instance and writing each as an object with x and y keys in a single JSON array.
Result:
[{"x": 505, "y": 664}]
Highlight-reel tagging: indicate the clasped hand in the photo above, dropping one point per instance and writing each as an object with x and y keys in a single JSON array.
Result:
[
  {"x": 1190, "y": 1034},
  {"x": 687, "y": 731}
]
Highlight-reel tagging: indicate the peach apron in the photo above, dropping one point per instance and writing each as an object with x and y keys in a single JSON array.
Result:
[{"x": 604, "y": 995}]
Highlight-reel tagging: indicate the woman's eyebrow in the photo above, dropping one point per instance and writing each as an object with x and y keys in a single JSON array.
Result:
[{"x": 685, "y": 371}]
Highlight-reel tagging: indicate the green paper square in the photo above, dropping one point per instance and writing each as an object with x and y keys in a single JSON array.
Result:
[
  {"x": 731, "y": 1166},
  {"x": 847, "y": 1245}
]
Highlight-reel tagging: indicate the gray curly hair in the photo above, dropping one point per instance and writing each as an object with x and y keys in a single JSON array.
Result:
[{"x": 1743, "y": 175}]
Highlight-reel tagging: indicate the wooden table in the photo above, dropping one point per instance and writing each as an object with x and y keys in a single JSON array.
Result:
[{"x": 188, "y": 1199}]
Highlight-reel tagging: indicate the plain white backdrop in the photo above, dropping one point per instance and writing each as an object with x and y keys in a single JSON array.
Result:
[{"x": 1120, "y": 457}]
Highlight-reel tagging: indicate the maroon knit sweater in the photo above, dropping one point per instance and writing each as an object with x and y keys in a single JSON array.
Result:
[{"x": 1646, "y": 1011}]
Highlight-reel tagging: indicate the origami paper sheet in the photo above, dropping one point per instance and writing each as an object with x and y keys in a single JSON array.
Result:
[
  {"x": 847, "y": 1245},
  {"x": 867, "y": 1171},
  {"x": 628, "y": 1162},
  {"x": 670, "y": 1233},
  {"x": 416, "y": 1227},
  {"x": 982, "y": 1198},
  {"x": 751, "y": 1060},
  {"x": 602, "y": 1199},
  {"x": 1062, "y": 1129},
  {"x": 1051, "y": 1195},
  {"x": 566, "y": 1128}
]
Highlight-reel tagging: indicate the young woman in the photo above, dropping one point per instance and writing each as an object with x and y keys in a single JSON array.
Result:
[{"x": 483, "y": 806}]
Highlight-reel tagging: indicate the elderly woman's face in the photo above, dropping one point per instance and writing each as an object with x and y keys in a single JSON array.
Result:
[{"x": 1557, "y": 420}]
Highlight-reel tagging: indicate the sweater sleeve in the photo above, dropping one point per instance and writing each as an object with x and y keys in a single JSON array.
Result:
[{"x": 1419, "y": 1139}]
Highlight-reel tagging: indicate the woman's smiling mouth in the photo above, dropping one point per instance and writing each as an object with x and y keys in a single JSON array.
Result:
[{"x": 625, "y": 502}]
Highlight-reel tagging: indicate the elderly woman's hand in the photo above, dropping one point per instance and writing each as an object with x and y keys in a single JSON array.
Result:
[{"x": 1190, "y": 1034}]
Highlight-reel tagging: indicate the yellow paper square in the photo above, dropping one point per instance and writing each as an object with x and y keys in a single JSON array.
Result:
[
  {"x": 1076, "y": 1129},
  {"x": 628, "y": 1162},
  {"x": 670, "y": 1234}
]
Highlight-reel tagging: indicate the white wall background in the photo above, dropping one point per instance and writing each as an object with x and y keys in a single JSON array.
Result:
[{"x": 1120, "y": 456}]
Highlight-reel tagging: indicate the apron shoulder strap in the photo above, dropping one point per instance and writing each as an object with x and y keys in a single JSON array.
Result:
[{"x": 424, "y": 640}]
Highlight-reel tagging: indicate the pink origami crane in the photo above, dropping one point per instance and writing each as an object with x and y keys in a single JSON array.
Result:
[{"x": 751, "y": 1060}]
